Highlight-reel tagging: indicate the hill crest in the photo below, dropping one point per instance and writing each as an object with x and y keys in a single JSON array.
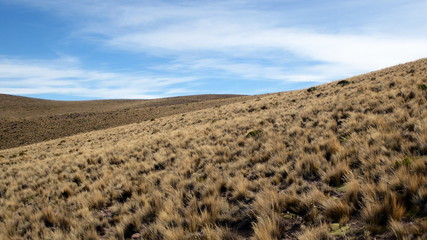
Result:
[{"x": 25, "y": 121}]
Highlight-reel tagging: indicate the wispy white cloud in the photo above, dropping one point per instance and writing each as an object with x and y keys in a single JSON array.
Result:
[
  {"x": 254, "y": 29},
  {"x": 359, "y": 51},
  {"x": 23, "y": 77}
]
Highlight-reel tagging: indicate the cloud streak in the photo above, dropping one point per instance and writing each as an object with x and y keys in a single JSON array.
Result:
[{"x": 23, "y": 77}]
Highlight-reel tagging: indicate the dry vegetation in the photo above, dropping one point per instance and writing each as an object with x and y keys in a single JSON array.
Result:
[
  {"x": 25, "y": 121},
  {"x": 344, "y": 160}
]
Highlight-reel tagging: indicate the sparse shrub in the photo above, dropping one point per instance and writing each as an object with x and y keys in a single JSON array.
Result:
[
  {"x": 343, "y": 83},
  {"x": 422, "y": 87},
  {"x": 404, "y": 162},
  {"x": 254, "y": 134},
  {"x": 311, "y": 89}
]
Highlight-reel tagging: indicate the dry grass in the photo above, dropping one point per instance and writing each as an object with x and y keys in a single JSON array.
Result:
[
  {"x": 345, "y": 161},
  {"x": 25, "y": 121}
]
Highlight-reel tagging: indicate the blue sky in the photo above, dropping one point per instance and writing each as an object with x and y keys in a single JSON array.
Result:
[{"x": 101, "y": 49}]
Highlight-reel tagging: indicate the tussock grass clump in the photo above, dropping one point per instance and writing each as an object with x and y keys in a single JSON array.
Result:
[
  {"x": 378, "y": 214},
  {"x": 96, "y": 200},
  {"x": 402, "y": 230},
  {"x": 420, "y": 202},
  {"x": 267, "y": 228},
  {"x": 309, "y": 167},
  {"x": 337, "y": 211},
  {"x": 336, "y": 177},
  {"x": 316, "y": 233},
  {"x": 353, "y": 195}
]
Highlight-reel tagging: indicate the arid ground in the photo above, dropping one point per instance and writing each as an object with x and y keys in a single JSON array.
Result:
[
  {"x": 343, "y": 160},
  {"x": 27, "y": 120}
]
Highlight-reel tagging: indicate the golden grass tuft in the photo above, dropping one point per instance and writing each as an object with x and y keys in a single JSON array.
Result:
[
  {"x": 309, "y": 167},
  {"x": 317, "y": 233},
  {"x": 337, "y": 211},
  {"x": 378, "y": 214},
  {"x": 267, "y": 228}
]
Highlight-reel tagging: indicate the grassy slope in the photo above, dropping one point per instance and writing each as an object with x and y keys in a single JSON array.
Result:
[
  {"x": 345, "y": 157},
  {"x": 27, "y": 120}
]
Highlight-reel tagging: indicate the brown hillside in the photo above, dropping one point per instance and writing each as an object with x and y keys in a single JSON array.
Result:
[
  {"x": 27, "y": 120},
  {"x": 344, "y": 160}
]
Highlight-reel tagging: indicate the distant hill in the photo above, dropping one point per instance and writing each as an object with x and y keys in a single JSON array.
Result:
[
  {"x": 28, "y": 120},
  {"x": 342, "y": 160}
]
